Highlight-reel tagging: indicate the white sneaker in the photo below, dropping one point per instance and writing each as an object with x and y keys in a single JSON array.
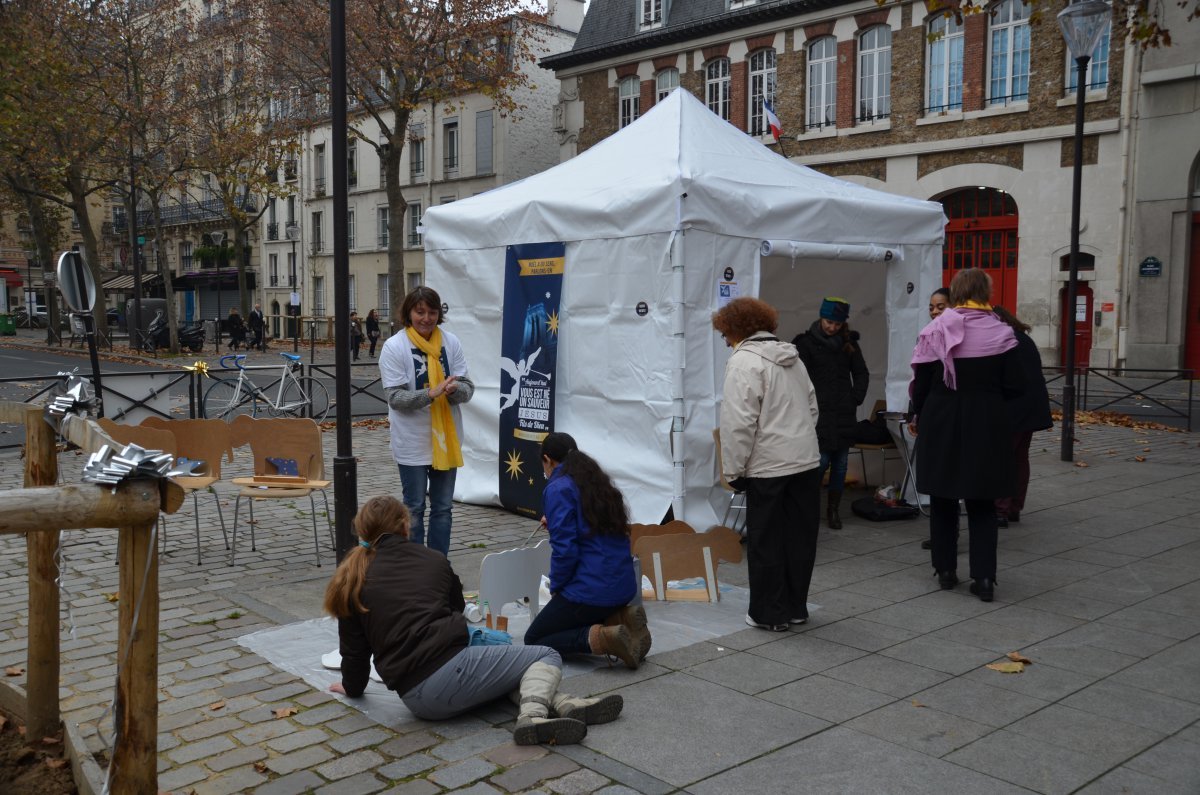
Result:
[{"x": 768, "y": 627}]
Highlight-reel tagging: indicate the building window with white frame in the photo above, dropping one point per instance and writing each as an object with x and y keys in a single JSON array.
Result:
[
  {"x": 665, "y": 82},
  {"x": 629, "y": 93},
  {"x": 318, "y": 295},
  {"x": 416, "y": 152},
  {"x": 762, "y": 87},
  {"x": 1097, "y": 68},
  {"x": 273, "y": 273},
  {"x": 350, "y": 228},
  {"x": 822, "y": 83},
  {"x": 318, "y": 236},
  {"x": 652, "y": 11},
  {"x": 383, "y": 296},
  {"x": 414, "y": 279},
  {"x": 716, "y": 87},
  {"x": 875, "y": 73},
  {"x": 381, "y": 224},
  {"x": 944, "y": 65},
  {"x": 450, "y": 146},
  {"x": 414, "y": 224},
  {"x": 185, "y": 255},
  {"x": 1008, "y": 59},
  {"x": 291, "y": 261},
  {"x": 352, "y": 163},
  {"x": 353, "y": 292}
]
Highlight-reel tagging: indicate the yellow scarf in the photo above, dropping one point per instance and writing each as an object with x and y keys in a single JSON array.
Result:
[
  {"x": 975, "y": 305},
  {"x": 447, "y": 454}
]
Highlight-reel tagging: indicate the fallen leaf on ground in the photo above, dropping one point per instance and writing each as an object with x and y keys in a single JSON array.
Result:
[
  {"x": 112, "y": 597},
  {"x": 1081, "y": 464},
  {"x": 1016, "y": 656},
  {"x": 284, "y": 712},
  {"x": 51, "y": 740},
  {"x": 1139, "y": 458},
  {"x": 14, "y": 670},
  {"x": 1007, "y": 667},
  {"x": 916, "y": 703},
  {"x": 56, "y": 763},
  {"x": 260, "y": 767},
  {"x": 1145, "y": 449},
  {"x": 217, "y": 705}
]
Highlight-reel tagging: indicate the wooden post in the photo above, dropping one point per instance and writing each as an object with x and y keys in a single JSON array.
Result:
[
  {"x": 135, "y": 717},
  {"x": 42, "y": 661}
]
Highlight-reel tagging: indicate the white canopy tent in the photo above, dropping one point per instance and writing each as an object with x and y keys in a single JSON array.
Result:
[{"x": 662, "y": 222}]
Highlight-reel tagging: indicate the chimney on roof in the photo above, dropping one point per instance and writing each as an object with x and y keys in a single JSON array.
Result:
[{"x": 566, "y": 14}]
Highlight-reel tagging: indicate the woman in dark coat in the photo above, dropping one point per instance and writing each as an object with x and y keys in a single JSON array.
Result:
[
  {"x": 965, "y": 368},
  {"x": 834, "y": 360},
  {"x": 1029, "y": 412}
]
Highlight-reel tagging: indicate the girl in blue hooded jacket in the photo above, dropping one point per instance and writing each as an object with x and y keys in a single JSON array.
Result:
[{"x": 591, "y": 567}]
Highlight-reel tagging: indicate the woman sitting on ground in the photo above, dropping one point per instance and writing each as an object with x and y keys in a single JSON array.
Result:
[
  {"x": 591, "y": 568},
  {"x": 403, "y": 603}
]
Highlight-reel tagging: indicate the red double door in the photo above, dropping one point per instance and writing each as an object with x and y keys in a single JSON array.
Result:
[{"x": 982, "y": 233}]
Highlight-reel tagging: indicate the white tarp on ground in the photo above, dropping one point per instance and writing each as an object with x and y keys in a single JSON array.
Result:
[{"x": 652, "y": 218}]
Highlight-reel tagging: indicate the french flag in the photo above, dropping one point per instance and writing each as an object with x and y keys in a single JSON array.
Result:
[{"x": 772, "y": 120}]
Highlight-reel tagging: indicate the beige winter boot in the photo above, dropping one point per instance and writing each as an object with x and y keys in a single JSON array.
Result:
[
  {"x": 634, "y": 619},
  {"x": 589, "y": 710},
  {"x": 616, "y": 641},
  {"x": 539, "y": 686}
]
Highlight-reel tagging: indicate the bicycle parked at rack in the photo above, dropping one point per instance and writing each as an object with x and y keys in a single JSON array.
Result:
[{"x": 288, "y": 396}]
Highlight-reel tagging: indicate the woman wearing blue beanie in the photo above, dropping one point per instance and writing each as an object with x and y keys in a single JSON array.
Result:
[{"x": 834, "y": 360}]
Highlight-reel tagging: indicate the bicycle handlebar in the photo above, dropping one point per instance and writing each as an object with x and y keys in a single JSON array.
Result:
[{"x": 238, "y": 358}]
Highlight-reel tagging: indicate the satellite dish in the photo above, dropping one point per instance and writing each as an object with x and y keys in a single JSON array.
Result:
[{"x": 75, "y": 282}]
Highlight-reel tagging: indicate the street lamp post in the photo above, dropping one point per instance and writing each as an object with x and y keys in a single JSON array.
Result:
[
  {"x": 218, "y": 238},
  {"x": 1082, "y": 24},
  {"x": 293, "y": 234}
]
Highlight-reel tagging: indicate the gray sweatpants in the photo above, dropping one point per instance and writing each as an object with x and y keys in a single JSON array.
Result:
[{"x": 474, "y": 676}]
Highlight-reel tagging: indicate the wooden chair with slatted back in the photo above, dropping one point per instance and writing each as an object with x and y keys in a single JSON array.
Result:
[
  {"x": 880, "y": 405},
  {"x": 206, "y": 441},
  {"x": 295, "y": 438}
]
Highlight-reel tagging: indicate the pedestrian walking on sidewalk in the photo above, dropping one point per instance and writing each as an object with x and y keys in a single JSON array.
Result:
[
  {"x": 769, "y": 450},
  {"x": 834, "y": 360},
  {"x": 402, "y": 604},
  {"x": 592, "y": 579},
  {"x": 373, "y": 331},
  {"x": 237, "y": 329},
  {"x": 965, "y": 367},
  {"x": 258, "y": 326},
  {"x": 1030, "y": 412},
  {"x": 356, "y": 336},
  {"x": 424, "y": 375}
]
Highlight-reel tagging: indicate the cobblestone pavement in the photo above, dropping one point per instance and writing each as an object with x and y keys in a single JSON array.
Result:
[{"x": 885, "y": 690}]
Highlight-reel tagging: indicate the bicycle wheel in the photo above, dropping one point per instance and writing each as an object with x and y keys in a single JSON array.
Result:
[
  {"x": 303, "y": 397},
  {"x": 224, "y": 401}
]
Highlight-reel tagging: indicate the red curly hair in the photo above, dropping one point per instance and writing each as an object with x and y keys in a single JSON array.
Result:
[{"x": 742, "y": 317}]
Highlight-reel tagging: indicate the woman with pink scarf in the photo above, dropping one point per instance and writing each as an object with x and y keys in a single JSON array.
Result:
[{"x": 965, "y": 367}]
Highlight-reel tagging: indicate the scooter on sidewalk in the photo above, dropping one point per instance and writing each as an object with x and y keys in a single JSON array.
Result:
[{"x": 158, "y": 335}]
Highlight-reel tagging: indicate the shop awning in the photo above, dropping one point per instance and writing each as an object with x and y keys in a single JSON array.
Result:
[
  {"x": 124, "y": 282},
  {"x": 11, "y": 277}
]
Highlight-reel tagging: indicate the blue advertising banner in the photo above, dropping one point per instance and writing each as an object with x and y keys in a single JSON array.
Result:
[{"x": 528, "y": 359}]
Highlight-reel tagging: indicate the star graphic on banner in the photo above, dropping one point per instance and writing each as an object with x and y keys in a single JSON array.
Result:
[
  {"x": 552, "y": 323},
  {"x": 531, "y": 481},
  {"x": 514, "y": 464},
  {"x": 547, "y": 296}
]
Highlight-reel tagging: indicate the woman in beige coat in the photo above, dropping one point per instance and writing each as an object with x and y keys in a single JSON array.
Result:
[{"x": 769, "y": 450}]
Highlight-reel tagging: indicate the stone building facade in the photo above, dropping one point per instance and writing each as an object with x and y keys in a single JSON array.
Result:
[{"x": 975, "y": 110}]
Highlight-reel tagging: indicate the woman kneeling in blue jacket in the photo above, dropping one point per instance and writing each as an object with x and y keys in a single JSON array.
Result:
[{"x": 591, "y": 568}]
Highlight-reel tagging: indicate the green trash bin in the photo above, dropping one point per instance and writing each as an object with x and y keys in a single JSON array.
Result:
[{"x": 7, "y": 327}]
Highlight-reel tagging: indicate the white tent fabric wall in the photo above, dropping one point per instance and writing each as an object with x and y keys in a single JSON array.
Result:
[{"x": 678, "y": 168}]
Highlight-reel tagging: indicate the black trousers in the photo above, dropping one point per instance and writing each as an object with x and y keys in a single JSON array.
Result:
[
  {"x": 943, "y": 532},
  {"x": 782, "y": 518}
]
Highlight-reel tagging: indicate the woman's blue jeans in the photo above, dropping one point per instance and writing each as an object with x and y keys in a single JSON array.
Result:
[
  {"x": 837, "y": 461},
  {"x": 419, "y": 482}
]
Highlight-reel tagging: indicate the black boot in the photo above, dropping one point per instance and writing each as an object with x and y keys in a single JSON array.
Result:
[
  {"x": 831, "y": 512},
  {"x": 984, "y": 588},
  {"x": 947, "y": 579}
]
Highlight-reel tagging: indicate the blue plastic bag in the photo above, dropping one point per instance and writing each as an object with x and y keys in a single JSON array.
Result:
[{"x": 482, "y": 636}]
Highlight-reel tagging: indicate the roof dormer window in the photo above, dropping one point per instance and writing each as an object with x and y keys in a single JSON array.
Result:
[{"x": 652, "y": 14}]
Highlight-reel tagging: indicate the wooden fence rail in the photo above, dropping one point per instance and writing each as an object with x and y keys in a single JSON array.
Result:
[{"x": 41, "y": 511}]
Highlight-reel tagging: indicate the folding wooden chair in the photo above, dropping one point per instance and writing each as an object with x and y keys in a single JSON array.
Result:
[
  {"x": 282, "y": 439},
  {"x": 880, "y": 406},
  {"x": 206, "y": 441},
  {"x": 737, "y": 499}
]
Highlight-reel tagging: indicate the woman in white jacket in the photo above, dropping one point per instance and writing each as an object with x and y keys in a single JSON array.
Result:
[{"x": 769, "y": 450}]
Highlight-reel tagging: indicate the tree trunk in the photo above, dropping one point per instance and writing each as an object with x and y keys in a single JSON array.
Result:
[
  {"x": 164, "y": 273},
  {"x": 396, "y": 211},
  {"x": 45, "y": 253}
]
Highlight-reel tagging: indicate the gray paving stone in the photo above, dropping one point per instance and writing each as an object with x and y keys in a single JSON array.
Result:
[
  {"x": 1173, "y": 672},
  {"x": 290, "y": 742},
  {"x": 827, "y": 699},
  {"x": 862, "y": 634},
  {"x": 407, "y": 744},
  {"x": 208, "y": 728},
  {"x": 746, "y": 672},
  {"x": 886, "y": 675},
  {"x": 416, "y": 787},
  {"x": 581, "y": 782},
  {"x": 679, "y": 711},
  {"x": 940, "y": 655},
  {"x": 921, "y": 728},
  {"x": 293, "y": 784},
  {"x": 842, "y": 760},
  {"x": 180, "y": 777},
  {"x": 362, "y": 739},
  {"x": 235, "y": 757},
  {"x": 462, "y": 773},
  {"x": 479, "y": 788},
  {"x": 524, "y": 776},
  {"x": 512, "y": 755},
  {"x": 688, "y": 656},
  {"x": 308, "y": 757},
  {"x": 349, "y": 765},
  {"x": 1173, "y": 760},
  {"x": 472, "y": 744},
  {"x": 809, "y": 653},
  {"x": 1142, "y": 619},
  {"x": 191, "y": 752},
  {"x": 351, "y": 724},
  {"x": 908, "y": 616},
  {"x": 408, "y": 766},
  {"x": 992, "y": 706},
  {"x": 241, "y": 779},
  {"x": 360, "y": 784},
  {"x": 1030, "y": 762},
  {"x": 1104, "y": 737},
  {"x": 1040, "y": 681}
]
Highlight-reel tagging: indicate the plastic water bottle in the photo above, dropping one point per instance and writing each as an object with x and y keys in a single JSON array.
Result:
[{"x": 473, "y": 613}]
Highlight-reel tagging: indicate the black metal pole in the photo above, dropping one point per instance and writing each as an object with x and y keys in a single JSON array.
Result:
[
  {"x": 345, "y": 472},
  {"x": 1068, "y": 314},
  {"x": 89, "y": 329},
  {"x": 295, "y": 308},
  {"x": 312, "y": 341}
]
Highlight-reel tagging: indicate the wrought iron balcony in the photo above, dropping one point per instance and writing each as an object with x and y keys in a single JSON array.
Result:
[
  {"x": 188, "y": 212},
  {"x": 273, "y": 230}
]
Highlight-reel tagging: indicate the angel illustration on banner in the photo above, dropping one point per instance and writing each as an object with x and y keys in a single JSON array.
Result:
[{"x": 517, "y": 372}]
